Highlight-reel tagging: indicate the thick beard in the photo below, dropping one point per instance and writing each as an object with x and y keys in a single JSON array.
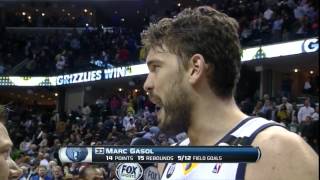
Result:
[{"x": 177, "y": 111}]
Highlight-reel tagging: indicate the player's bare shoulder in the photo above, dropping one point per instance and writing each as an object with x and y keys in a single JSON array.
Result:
[{"x": 285, "y": 155}]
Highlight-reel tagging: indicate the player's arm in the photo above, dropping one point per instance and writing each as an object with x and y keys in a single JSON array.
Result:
[{"x": 285, "y": 155}]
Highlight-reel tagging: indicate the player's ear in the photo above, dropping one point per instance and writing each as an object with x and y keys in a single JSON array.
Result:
[{"x": 197, "y": 68}]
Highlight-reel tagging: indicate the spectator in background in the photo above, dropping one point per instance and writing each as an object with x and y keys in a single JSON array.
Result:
[
  {"x": 148, "y": 134},
  {"x": 266, "y": 97},
  {"x": 86, "y": 110},
  {"x": 287, "y": 104},
  {"x": 44, "y": 141},
  {"x": 266, "y": 109},
  {"x": 32, "y": 151},
  {"x": 60, "y": 127},
  {"x": 42, "y": 174},
  {"x": 25, "y": 144},
  {"x": 57, "y": 173},
  {"x": 91, "y": 173},
  {"x": 146, "y": 112},
  {"x": 277, "y": 28},
  {"x": 105, "y": 57},
  {"x": 100, "y": 101},
  {"x": 257, "y": 108},
  {"x": 126, "y": 119},
  {"x": 25, "y": 173},
  {"x": 283, "y": 115},
  {"x": 122, "y": 55},
  {"x": 315, "y": 115},
  {"x": 50, "y": 169},
  {"x": 163, "y": 140},
  {"x": 75, "y": 44},
  {"x": 307, "y": 88},
  {"x": 44, "y": 161},
  {"x": 114, "y": 105},
  {"x": 61, "y": 63},
  {"x": 305, "y": 111},
  {"x": 130, "y": 127}
]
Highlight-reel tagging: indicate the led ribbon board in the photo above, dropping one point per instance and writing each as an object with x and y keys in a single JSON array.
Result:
[
  {"x": 281, "y": 49},
  {"x": 89, "y": 76},
  {"x": 255, "y": 53}
]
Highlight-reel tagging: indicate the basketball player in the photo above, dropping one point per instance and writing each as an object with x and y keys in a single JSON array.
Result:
[{"x": 194, "y": 66}]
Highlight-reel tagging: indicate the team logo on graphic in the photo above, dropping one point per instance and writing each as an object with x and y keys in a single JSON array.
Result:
[
  {"x": 217, "y": 168},
  {"x": 129, "y": 171},
  {"x": 171, "y": 169},
  {"x": 151, "y": 173},
  {"x": 310, "y": 45},
  {"x": 76, "y": 154},
  {"x": 260, "y": 54}
]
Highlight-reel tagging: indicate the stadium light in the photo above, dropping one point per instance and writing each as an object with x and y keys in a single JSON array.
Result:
[
  {"x": 23, "y": 13},
  {"x": 85, "y": 10},
  {"x": 120, "y": 89},
  {"x": 43, "y": 14},
  {"x": 296, "y": 70}
]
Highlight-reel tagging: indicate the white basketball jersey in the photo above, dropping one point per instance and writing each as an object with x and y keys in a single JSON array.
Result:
[{"x": 243, "y": 134}]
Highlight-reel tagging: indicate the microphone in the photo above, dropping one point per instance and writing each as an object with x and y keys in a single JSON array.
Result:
[{"x": 150, "y": 171}]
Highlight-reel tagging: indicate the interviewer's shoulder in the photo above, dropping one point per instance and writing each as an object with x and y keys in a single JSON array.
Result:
[{"x": 285, "y": 155}]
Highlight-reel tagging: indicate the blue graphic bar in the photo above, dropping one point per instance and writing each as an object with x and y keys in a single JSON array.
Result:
[{"x": 147, "y": 154}]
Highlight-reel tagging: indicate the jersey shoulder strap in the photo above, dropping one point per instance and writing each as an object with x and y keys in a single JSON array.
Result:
[{"x": 244, "y": 136}]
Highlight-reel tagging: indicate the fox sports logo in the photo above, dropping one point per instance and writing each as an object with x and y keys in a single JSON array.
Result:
[
  {"x": 76, "y": 154},
  {"x": 129, "y": 171}
]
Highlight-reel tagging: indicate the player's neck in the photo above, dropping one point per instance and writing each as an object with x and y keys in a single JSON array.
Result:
[{"x": 212, "y": 119}]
